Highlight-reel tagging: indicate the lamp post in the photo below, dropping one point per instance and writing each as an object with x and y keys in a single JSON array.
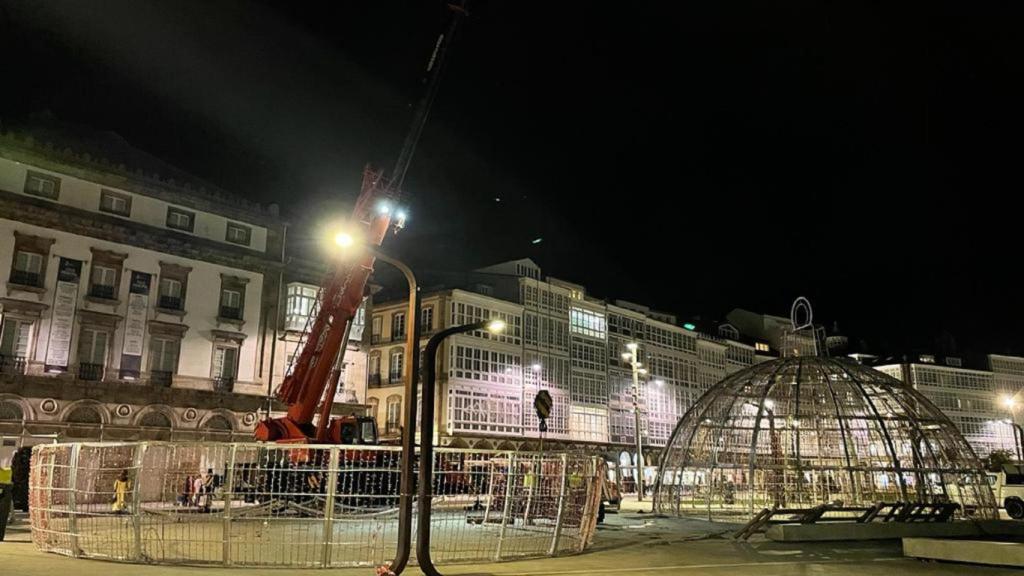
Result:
[
  {"x": 411, "y": 375},
  {"x": 633, "y": 358},
  {"x": 426, "y": 487},
  {"x": 1010, "y": 403}
]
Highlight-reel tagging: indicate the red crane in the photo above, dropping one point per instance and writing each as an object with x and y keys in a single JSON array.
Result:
[{"x": 313, "y": 380}]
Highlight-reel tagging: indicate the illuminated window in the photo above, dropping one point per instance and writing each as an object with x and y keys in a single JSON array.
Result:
[
  {"x": 761, "y": 347},
  {"x": 299, "y": 305},
  {"x": 587, "y": 323}
]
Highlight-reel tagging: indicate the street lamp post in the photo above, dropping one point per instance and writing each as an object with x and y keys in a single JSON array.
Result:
[
  {"x": 426, "y": 487},
  {"x": 411, "y": 376},
  {"x": 633, "y": 358}
]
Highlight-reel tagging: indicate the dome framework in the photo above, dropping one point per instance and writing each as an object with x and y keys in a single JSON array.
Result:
[{"x": 799, "y": 432}]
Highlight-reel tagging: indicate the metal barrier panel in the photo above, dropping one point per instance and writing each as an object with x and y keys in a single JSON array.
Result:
[{"x": 301, "y": 506}]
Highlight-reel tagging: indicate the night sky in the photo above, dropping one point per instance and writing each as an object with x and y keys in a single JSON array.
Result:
[{"x": 690, "y": 156}]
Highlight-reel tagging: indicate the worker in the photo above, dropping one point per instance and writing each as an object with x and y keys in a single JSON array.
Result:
[{"x": 121, "y": 488}]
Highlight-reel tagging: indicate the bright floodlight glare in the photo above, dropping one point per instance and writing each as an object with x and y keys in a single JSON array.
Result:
[
  {"x": 1008, "y": 402},
  {"x": 642, "y": 371},
  {"x": 384, "y": 207},
  {"x": 626, "y": 355},
  {"x": 401, "y": 214},
  {"x": 632, "y": 346},
  {"x": 344, "y": 239},
  {"x": 535, "y": 367},
  {"x": 659, "y": 382},
  {"x": 496, "y": 326}
]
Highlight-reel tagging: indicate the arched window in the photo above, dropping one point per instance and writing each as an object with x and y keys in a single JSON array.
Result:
[
  {"x": 218, "y": 422},
  {"x": 11, "y": 411},
  {"x": 155, "y": 419},
  {"x": 374, "y": 406},
  {"x": 84, "y": 415},
  {"x": 394, "y": 416}
]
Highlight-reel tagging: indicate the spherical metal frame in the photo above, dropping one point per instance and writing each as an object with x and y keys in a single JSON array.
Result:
[{"x": 799, "y": 432}]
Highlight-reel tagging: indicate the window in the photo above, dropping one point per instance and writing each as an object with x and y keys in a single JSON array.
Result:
[
  {"x": 170, "y": 293},
  {"x": 374, "y": 404},
  {"x": 398, "y": 326},
  {"x": 173, "y": 287},
  {"x": 232, "y": 297},
  {"x": 42, "y": 185},
  {"x": 395, "y": 372},
  {"x": 15, "y": 336},
  {"x": 375, "y": 329},
  {"x": 28, "y": 269},
  {"x": 178, "y": 219},
  {"x": 426, "y": 319},
  {"x": 761, "y": 346},
  {"x": 225, "y": 367},
  {"x": 299, "y": 306},
  {"x": 374, "y": 368},
  {"x": 163, "y": 355},
  {"x": 238, "y": 234},
  {"x": 394, "y": 414},
  {"x": 102, "y": 283},
  {"x": 587, "y": 323},
  {"x": 92, "y": 353},
  {"x": 115, "y": 203}
]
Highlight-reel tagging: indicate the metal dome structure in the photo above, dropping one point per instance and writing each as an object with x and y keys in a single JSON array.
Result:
[{"x": 803, "y": 431}]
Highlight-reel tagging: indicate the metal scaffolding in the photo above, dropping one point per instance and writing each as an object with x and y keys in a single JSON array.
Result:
[{"x": 800, "y": 432}]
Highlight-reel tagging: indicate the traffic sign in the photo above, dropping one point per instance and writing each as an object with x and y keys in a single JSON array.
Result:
[{"x": 542, "y": 404}]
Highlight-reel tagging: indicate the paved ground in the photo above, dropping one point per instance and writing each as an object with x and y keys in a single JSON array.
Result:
[{"x": 630, "y": 543}]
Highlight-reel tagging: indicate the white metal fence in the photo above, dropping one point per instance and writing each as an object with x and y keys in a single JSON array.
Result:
[{"x": 301, "y": 506}]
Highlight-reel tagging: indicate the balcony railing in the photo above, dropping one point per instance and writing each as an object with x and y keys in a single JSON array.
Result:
[
  {"x": 12, "y": 364},
  {"x": 26, "y": 278},
  {"x": 395, "y": 377},
  {"x": 89, "y": 371},
  {"x": 161, "y": 378},
  {"x": 374, "y": 380},
  {"x": 224, "y": 384},
  {"x": 231, "y": 313},
  {"x": 392, "y": 427},
  {"x": 398, "y": 336},
  {"x": 101, "y": 291},
  {"x": 170, "y": 302}
]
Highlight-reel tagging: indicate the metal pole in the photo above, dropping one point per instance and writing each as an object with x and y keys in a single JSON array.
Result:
[
  {"x": 506, "y": 510},
  {"x": 226, "y": 494},
  {"x": 561, "y": 508},
  {"x": 331, "y": 493},
  {"x": 72, "y": 504},
  {"x": 140, "y": 454},
  {"x": 427, "y": 444},
  {"x": 412, "y": 371},
  {"x": 636, "y": 418}
]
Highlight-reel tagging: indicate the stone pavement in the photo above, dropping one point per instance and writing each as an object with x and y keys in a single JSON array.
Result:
[{"x": 630, "y": 542}]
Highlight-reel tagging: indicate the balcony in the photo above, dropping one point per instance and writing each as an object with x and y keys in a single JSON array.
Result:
[
  {"x": 12, "y": 364},
  {"x": 374, "y": 380},
  {"x": 392, "y": 427},
  {"x": 395, "y": 377},
  {"x": 161, "y": 378},
  {"x": 230, "y": 313},
  {"x": 398, "y": 336},
  {"x": 375, "y": 339},
  {"x": 170, "y": 302},
  {"x": 101, "y": 291},
  {"x": 224, "y": 384},
  {"x": 26, "y": 278},
  {"x": 89, "y": 371}
]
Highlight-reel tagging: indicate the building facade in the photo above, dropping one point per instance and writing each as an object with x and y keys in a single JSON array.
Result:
[
  {"x": 558, "y": 339},
  {"x": 971, "y": 398},
  {"x": 135, "y": 302}
]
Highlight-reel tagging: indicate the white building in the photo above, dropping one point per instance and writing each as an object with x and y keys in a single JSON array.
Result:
[
  {"x": 569, "y": 344},
  {"x": 134, "y": 300},
  {"x": 970, "y": 398}
]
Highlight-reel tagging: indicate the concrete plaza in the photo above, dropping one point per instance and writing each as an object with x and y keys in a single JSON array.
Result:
[{"x": 630, "y": 542}]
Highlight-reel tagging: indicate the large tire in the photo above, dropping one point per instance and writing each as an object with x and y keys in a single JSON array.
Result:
[{"x": 1014, "y": 507}]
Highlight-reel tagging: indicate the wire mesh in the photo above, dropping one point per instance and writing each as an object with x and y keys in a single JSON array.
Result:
[
  {"x": 799, "y": 432},
  {"x": 302, "y": 506}
]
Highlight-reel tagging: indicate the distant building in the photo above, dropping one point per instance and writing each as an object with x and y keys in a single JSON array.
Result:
[
  {"x": 970, "y": 397},
  {"x": 559, "y": 339}
]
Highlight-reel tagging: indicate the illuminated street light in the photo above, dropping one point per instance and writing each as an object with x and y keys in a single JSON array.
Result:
[
  {"x": 535, "y": 367},
  {"x": 659, "y": 382},
  {"x": 384, "y": 207},
  {"x": 344, "y": 240},
  {"x": 633, "y": 358},
  {"x": 1008, "y": 401},
  {"x": 496, "y": 326}
]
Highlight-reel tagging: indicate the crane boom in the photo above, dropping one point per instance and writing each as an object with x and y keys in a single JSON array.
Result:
[{"x": 342, "y": 292}]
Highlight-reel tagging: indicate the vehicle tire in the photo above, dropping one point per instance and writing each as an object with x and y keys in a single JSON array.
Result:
[{"x": 1014, "y": 507}]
